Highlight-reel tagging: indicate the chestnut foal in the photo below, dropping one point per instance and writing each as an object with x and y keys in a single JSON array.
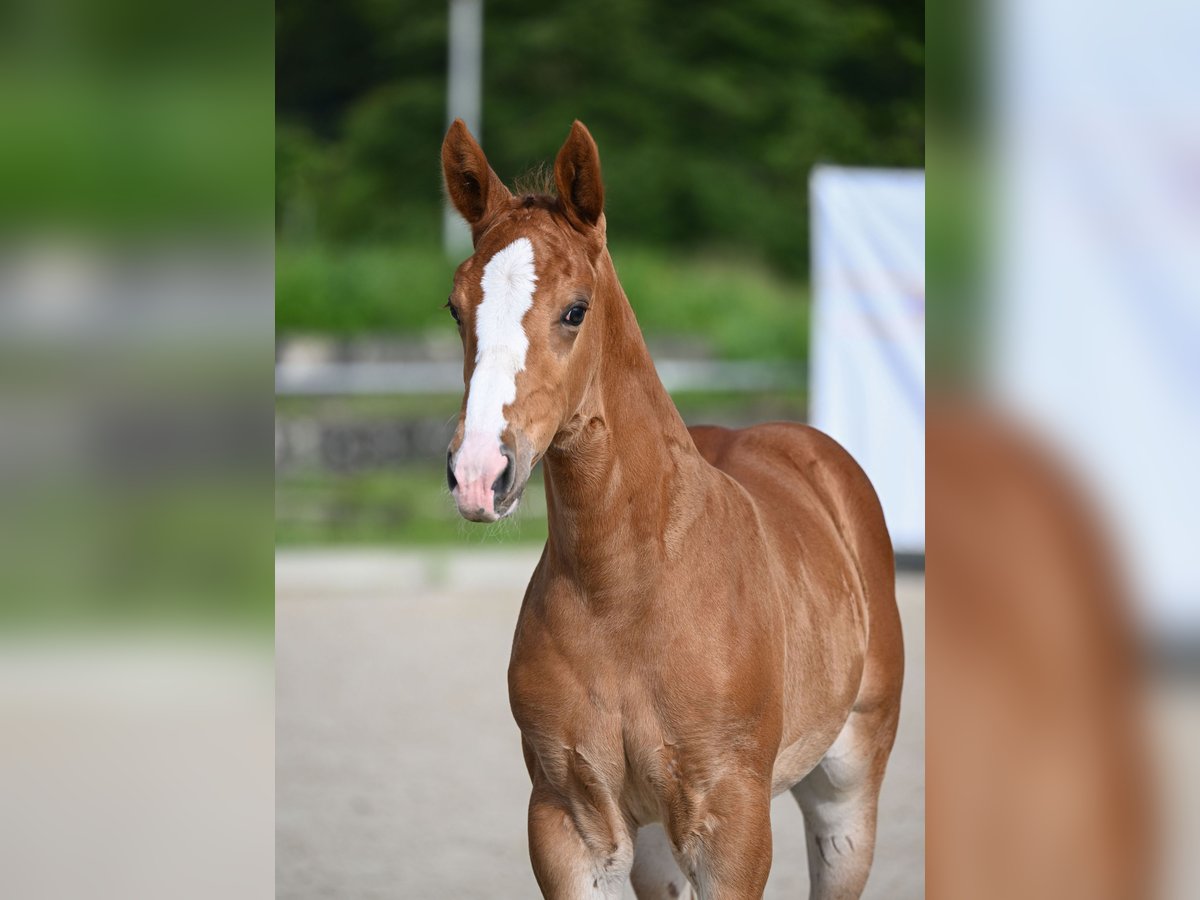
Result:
[{"x": 713, "y": 618}]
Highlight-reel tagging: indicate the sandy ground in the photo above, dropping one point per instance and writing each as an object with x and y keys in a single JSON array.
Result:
[{"x": 398, "y": 766}]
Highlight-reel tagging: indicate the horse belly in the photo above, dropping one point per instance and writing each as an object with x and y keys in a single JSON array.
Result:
[
  {"x": 824, "y": 674},
  {"x": 798, "y": 759}
]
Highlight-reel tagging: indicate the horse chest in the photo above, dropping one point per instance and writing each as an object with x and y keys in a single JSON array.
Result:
[{"x": 605, "y": 717}]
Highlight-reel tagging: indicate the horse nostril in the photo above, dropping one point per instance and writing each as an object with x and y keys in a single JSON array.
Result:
[
  {"x": 504, "y": 482},
  {"x": 450, "y": 479}
]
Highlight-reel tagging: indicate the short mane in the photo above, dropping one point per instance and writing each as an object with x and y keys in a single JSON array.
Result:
[{"x": 536, "y": 186}]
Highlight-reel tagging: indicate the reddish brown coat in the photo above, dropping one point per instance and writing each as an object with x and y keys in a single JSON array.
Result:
[{"x": 713, "y": 618}]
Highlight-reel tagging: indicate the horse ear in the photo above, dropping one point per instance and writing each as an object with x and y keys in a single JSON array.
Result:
[
  {"x": 474, "y": 189},
  {"x": 577, "y": 176}
]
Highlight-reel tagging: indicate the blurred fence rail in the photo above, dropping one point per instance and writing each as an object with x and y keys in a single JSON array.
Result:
[
  {"x": 362, "y": 424},
  {"x": 346, "y": 405},
  {"x": 343, "y": 445},
  {"x": 314, "y": 379}
]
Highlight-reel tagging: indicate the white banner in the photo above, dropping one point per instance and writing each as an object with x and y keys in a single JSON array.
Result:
[
  {"x": 1096, "y": 324},
  {"x": 868, "y": 332}
]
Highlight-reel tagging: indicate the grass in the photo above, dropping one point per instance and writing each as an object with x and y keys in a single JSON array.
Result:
[
  {"x": 404, "y": 505},
  {"x": 83, "y": 552},
  {"x": 738, "y": 308}
]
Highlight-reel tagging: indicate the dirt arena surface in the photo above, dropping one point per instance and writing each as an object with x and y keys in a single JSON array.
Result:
[{"x": 398, "y": 766}]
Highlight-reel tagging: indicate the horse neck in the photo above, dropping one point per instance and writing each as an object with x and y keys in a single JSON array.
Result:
[{"x": 628, "y": 471}]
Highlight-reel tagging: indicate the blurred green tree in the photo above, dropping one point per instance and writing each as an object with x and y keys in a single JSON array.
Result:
[{"x": 709, "y": 115}]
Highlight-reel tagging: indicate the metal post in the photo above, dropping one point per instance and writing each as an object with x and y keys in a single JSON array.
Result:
[{"x": 464, "y": 91}]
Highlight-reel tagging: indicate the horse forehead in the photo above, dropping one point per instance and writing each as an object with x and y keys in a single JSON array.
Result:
[
  {"x": 553, "y": 252},
  {"x": 506, "y": 287},
  {"x": 502, "y": 236},
  {"x": 510, "y": 276}
]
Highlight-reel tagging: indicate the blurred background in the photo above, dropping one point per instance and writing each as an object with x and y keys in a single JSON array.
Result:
[
  {"x": 136, "y": 270},
  {"x": 1064, "y": 610},
  {"x": 135, "y": 503},
  {"x": 708, "y": 127}
]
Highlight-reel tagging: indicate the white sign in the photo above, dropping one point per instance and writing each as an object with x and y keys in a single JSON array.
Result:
[
  {"x": 1096, "y": 318},
  {"x": 868, "y": 332}
]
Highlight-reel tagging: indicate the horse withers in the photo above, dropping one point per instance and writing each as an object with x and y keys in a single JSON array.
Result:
[{"x": 713, "y": 618}]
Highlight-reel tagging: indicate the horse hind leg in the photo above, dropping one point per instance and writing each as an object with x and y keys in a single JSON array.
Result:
[
  {"x": 840, "y": 799},
  {"x": 840, "y": 841},
  {"x": 655, "y": 874}
]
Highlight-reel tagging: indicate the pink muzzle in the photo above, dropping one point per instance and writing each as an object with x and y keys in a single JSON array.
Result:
[{"x": 480, "y": 475}]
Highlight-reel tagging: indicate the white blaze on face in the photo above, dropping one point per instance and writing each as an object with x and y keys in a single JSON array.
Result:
[{"x": 508, "y": 284}]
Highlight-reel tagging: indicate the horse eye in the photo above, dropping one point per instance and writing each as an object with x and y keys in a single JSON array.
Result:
[
  {"x": 574, "y": 315},
  {"x": 453, "y": 312}
]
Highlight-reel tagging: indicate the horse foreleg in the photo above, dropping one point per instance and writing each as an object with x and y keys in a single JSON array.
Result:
[
  {"x": 568, "y": 866},
  {"x": 725, "y": 841}
]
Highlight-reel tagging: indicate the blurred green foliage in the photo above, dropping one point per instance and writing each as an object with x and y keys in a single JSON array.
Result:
[
  {"x": 88, "y": 554},
  {"x": 405, "y": 505},
  {"x": 133, "y": 119},
  {"x": 709, "y": 117},
  {"x": 135, "y": 172},
  {"x": 957, "y": 198},
  {"x": 740, "y": 310}
]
